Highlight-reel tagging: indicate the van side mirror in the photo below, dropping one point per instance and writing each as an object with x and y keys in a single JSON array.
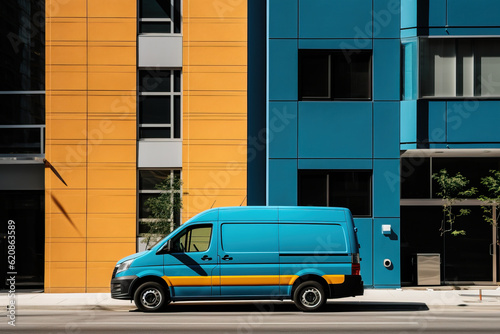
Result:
[{"x": 165, "y": 249}]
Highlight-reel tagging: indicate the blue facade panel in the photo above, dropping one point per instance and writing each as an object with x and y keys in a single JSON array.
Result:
[
  {"x": 283, "y": 69},
  {"x": 386, "y": 247},
  {"x": 386, "y": 18},
  {"x": 335, "y": 130},
  {"x": 284, "y": 18},
  {"x": 473, "y": 121},
  {"x": 335, "y": 163},
  {"x": 386, "y": 69},
  {"x": 437, "y": 122},
  {"x": 336, "y": 44},
  {"x": 386, "y": 188},
  {"x": 386, "y": 130},
  {"x": 408, "y": 14},
  {"x": 282, "y": 130},
  {"x": 365, "y": 239},
  {"x": 282, "y": 182},
  {"x": 408, "y": 126},
  {"x": 335, "y": 19},
  {"x": 477, "y": 13},
  {"x": 437, "y": 13}
]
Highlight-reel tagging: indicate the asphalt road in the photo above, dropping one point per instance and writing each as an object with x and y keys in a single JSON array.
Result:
[{"x": 341, "y": 317}]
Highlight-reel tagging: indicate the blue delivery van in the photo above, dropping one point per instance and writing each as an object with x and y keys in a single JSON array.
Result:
[{"x": 307, "y": 254}]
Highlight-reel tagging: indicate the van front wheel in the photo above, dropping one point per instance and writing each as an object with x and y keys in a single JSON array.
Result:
[
  {"x": 150, "y": 297},
  {"x": 309, "y": 296}
]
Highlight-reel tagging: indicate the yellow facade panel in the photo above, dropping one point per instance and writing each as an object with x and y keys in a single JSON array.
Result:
[
  {"x": 216, "y": 81},
  {"x": 218, "y": 129},
  {"x": 66, "y": 152},
  {"x": 66, "y": 78},
  {"x": 111, "y": 178},
  {"x": 65, "y": 201},
  {"x": 220, "y": 9},
  {"x": 111, "y": 201},
  {"x": 226, "y": 55},
  {"x": 111, "y": 129},
  {"x": 66, "y": 8},
  {"x": 67, "y": 128},
  {"x": 219, "y": 104},
  {"x": 67, "y": 55},
  {"x": 123, "y": 151},
  {"x": 112, "y": 55},
  {"x": 65, "y": 252},
  {"x": 71, "y": 30},
  {"x": 112, "y": 29},
  {"x": 65, "y": 277},
  {"x": 123, "y": 105},
  {"x": 208, "y": 30},
  {"x": 99, "y": 275},
  {"x": 216, "y": 153},
  {"x": 111, "y": 79},
  {"x": 112, "y": 8},
  {"x": 118, "y": 225},
  {"x": 65, "y": 103},
  {"x": 109, "y": 251},
  {"x": 75, "y": 176},
  {"x": 71, "y": 225}
]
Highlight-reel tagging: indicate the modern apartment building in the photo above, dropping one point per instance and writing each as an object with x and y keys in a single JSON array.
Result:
[
  {"x": 115, "y": 95},
  {"x": 350, "y": 103},
  {"x": 362, "y": 101}
]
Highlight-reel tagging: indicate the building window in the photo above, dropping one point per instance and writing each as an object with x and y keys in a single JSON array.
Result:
[
  {"x": 340, "y": 188},
  {"x": 160, "y": 16},
  {"x": 326, "y": 75},
  {"x": 148, "y": 179},
  {"x": 160, "y": 103},
  {"x": 451, "y": 67}
]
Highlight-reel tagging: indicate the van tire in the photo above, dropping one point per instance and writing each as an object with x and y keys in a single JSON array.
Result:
[
  {"x": 150, "y": 297},
  {"x": 309, "y": 296}
]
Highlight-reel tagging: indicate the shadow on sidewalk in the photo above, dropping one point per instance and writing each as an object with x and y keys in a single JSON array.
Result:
[{"x": 290, "y": 307}]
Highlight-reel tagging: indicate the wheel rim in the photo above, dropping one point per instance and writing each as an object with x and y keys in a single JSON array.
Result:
[
  {"x": 151, "y": 298},
  {"x": 311, "y": 297}
]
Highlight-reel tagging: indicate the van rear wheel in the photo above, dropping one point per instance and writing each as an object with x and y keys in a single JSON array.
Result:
[
  {"x": 150, "y": 297},
  {"x": 309, "y": 296}
]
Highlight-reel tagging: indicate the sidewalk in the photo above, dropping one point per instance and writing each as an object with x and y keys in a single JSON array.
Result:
[{"x": 434, "y": 298}]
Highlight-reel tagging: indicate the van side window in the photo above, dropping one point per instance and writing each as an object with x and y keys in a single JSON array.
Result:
[{"x": 193, "y": 239}]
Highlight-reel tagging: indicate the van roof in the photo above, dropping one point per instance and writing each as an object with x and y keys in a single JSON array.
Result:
[{"x": 274, "y": 213}]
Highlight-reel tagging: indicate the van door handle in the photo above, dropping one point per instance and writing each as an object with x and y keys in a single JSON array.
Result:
[
  {"x": 206, "y": 258},
  {"x": 227, "y": 258}
]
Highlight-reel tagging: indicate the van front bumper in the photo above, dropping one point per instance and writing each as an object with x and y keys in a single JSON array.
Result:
[
  {"x": 120, "y": 287},
  {"x": 352, "y": 286}
]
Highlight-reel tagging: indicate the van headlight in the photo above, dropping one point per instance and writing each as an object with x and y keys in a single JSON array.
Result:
[{"x": 124, "y": 266}]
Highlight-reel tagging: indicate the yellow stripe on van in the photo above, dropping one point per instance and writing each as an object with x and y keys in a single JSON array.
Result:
[
  {"x": 250, "y": 280},
  {"x": 334, "y": 279}
]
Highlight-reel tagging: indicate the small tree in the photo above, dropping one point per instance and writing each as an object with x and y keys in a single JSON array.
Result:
[
  {"x": 163, "y": 208},
  {"x": 453, "y": 189},
  {"x": 492, "y": 199}
]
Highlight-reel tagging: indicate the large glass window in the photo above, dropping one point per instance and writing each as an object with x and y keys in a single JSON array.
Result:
[
  {"x": 148, "y": 179},
  {"x": 159, "y": 103},
  {"x": 22, "y": 45},
  {"x": 350, "y": 189},
  {"x": 453, "y": 67},
  {"x": 160, "y": 16},
  {"x": 335, "y": 75}
]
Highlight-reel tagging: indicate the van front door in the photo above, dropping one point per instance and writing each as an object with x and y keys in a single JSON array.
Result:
[
  {"x": 190, "y": 264},
  {"x": 249, "y": 260}
]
